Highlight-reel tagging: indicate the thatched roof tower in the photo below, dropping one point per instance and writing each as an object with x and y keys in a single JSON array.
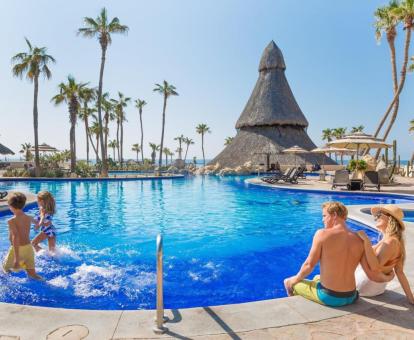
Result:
[{"x": 271, "y": 121}]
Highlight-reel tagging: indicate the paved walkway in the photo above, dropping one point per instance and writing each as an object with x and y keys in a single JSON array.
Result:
[{"x": 386, "y": 317}]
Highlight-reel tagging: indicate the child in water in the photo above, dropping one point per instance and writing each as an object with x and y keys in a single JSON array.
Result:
[
  {"x": 44, "y": 221},
  {"x": 21, "y": 255}
]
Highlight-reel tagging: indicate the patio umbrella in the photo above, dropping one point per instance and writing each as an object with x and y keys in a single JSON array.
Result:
[
  {"x": 331, "y": 149},
  {"x": 295, "y": 150},
  {"x": 45, "y": 148},
  {"x": 4, "y": 150},
  {"x": 358, "y": 140}
]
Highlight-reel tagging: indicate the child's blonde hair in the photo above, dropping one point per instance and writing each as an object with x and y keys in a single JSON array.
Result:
[{"x": 49, "y": 203}]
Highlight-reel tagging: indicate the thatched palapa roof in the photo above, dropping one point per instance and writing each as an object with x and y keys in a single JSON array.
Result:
[
  {"x": 4, "y": 150},
  {"x": 271, "y": 120}
]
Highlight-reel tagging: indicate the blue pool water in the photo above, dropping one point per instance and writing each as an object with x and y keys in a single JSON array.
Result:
[
  {"x": 409, "y": 215},
  {"x": 224, "y": 242}
]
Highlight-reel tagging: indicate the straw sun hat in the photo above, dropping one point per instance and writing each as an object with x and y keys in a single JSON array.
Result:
[{"x": 392, "y": 210}]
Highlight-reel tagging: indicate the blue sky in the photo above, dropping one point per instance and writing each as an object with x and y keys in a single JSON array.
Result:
[{"x": 210, "y": 50}]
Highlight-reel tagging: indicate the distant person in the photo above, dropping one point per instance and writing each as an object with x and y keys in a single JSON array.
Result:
[
  {"x": 21, "y": 255},
  {"x": 44, "y": 221},
  {"x": 387, "y": 255},
  {"x": 339, "y": 252}
]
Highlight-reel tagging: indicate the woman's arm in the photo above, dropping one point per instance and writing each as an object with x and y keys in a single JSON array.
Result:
[{"x": 399, "y": 271}]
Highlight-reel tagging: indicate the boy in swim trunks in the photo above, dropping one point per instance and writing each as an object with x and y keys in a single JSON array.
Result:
[
  {"x": 339, "y": 252},
  {"x": 21, "y": 253}
]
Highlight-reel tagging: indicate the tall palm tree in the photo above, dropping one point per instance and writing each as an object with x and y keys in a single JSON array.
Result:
[
  {"x": 180, "y": 140},
  {"x": 405, "y": 14},
  {"x": 70, "y": 94},
  {"x": 202, "y": 129},
  {"x": 339, "y": 132},
  {"x": 139, "y": 104},
  {"x": 137, "y": 148},
  {"x": 119, "y": 106},
  {"x": 102, "y": 28},
  {"x": 188, "y": 142},
  {"x": 359, "y": 128},
  {"x": 84, "y": 114},
  {"x": 154, "y": 147},
  {"x": 112, "y": 144},
  {"x": 327, "y": 135},
  {"x": 166, "y": 90},
  {"x": 32, "y": 64},
  {"x": 109, "y": 115},
  {"x": 86, "y": 95},
  {"x": 26, "y": 151},
  {"x": 387, "y": 21},
  {"x": 167, "y": 152},
  {"x": 228, "y": 140}
]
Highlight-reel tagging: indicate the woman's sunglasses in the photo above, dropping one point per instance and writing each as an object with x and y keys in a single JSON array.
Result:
[{"x": 379, "y": 214}]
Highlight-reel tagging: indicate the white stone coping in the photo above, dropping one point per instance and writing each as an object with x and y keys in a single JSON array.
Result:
[{"x": 30, "y": 322}]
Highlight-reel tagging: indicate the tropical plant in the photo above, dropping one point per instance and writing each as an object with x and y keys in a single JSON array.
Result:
[
  {"x": 188, "y": 142},
  {"x": 327, "y": 135},
  {"x": 83, "y": 169},
  {"x": 109, "y": 115},
  {"x": 339, "y": 132},
  {"x": 180, "y": 140},
  {"x": 357, "y": 165},
  {"x": 359, "y": 128},
  {"x": 154, "y": 147},
  {"x": 113, "y": 144},
  {"x": 167, "y": 152},
  {"x": 85, "y": 114},
  {"x": 119, "y": 106},
  {"x": 102, "y": 28},
  {"x": 202, "y": 129},
  {"x": 137, "y": 148},
  {"x": 86, "y": 95},
  {"x": 96, "y": 130},
  {"x": 139, "y": 104},
  {"x": 32, "y": 64},
  {"x": 404, "y": 12},
  {"x": 228, "y": 140},
  {"x": 70, "y": 94},
  {"x": 28, "y": 156},
  {"x": 166, "y": 90}
]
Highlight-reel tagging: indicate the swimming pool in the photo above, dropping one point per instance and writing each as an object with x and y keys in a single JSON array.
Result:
[{"x": 225, "y": 241}]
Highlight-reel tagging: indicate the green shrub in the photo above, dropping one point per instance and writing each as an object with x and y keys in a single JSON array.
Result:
[
  {"x": 357, "y": 165},
  {"x": 83, "y": 169}
]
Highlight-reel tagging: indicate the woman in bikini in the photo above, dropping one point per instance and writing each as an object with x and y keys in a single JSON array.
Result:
[{"x": 387, "y": 255}]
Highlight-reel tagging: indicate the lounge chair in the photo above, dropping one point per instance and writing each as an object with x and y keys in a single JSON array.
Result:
[
  {"x": 294, "y": 175},
  {"x": 341, "y": 179},
  {"x": 371, "y": 180},
  {"x": 383, "y": 175},
  {"x": 277, "y": 177},
  {"x": 3, "y": 194},
  {"x": 301, "y": 172}
]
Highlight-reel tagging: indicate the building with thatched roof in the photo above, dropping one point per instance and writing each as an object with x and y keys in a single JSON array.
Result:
[{"x": 271, "y": 121}]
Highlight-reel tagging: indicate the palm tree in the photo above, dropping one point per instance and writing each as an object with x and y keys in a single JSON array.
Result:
[
  {"x": 137, "y": 148},
  {"x": 167, "y": 152},
  {"x": 95, "y": 129},
  {"x": 387, "y": 21},
  {"x": 180, "y": 140},
  {"x": 339, "y": 132},
  {"x": 26, "y": 151},
  {"x": 327, "y": 135},
  {"x": 113, "y": 144},
  {"x": 119, "y": 106},
  {"x": 188, "y": 142},
  {"x": 411, "y": 130},
  {"x": 102, "y": 28},
  {"x": 84, "y": 114},
  {"x": 405, "y": 14},
  {"x": 359, "y": 128},
  {"x": 202, "y": 129},
  {"x": 33, "y": 64},
  {"x": 139, "y": 104},
  {"x": 228, "y": 140},
  {"x": 154, "y": 148},
  {"x": 166, "y": 90},
  {"x": 86, "y": 95},
  {"x": 109, "y": 115},
  {"x": 70, "y": 94}
]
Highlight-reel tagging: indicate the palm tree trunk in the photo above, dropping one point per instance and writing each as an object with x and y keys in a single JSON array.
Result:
[
  {"x": 87, "y": 140},
  {"x": 137, "y": 156},
  {"x": 97, "y": 147},
  {"x": 166, "y": 158},
  {"x": 117, "y": 140},
  {"x": 36, "y": 126},
  {"x": 202, "y": 148},
  {"x": 104, "y": 169},
  {"x": 72, "y": 146},
  {"x": 186, "y": 150},
  {"x": 106, "y": 131},
  {"x": 113, "y": 149},
  {"x": 94, "y": 148},
  {"x": 162, "y": 133},
  {"x": 142, "y": 136},
  {"x": 122, "y": 143}
]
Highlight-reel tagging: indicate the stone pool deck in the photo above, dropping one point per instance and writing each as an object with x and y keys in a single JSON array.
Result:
[
  {"x": 31, "y": 200},
  {"x": 386, "y": 317}
]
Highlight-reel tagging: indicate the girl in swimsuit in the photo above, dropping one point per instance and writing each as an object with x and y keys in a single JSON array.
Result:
[
  {"x": 44, "y": 221},
  {"x": 387, "y": 255}
]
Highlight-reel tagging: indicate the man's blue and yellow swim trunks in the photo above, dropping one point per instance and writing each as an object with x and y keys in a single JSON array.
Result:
[{"x": 314, "y": 290}]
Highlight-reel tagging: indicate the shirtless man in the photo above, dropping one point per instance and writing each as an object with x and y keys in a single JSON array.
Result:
[
  {"x": 339, "y": 251},
  {"x": 21, "y": 254}
]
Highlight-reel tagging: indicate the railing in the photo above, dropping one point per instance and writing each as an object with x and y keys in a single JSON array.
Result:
[{"x": 160, "y": 318}]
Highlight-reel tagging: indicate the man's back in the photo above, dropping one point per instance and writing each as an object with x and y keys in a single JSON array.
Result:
[{"x": 341, "y": 253}]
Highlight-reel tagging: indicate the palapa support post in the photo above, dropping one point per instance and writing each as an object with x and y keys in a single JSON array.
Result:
[{"x": 159, "y": 317}]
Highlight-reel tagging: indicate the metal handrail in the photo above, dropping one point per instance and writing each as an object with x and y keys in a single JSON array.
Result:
[{"x": 160, "y": 318}]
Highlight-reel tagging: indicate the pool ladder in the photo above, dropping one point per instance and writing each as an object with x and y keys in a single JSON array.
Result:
[{"x": 159, "y": 317}]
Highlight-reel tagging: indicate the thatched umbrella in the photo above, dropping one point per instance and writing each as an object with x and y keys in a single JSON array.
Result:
[
  {"x": 330, "y": 149},
  {"x": 295, "y": 150},
  {"x": 4, "y": 150},
  {"x": 271, "y": 120},
  {"x": 359, "y": 140},
  {"x": 45, "y": 148}
]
